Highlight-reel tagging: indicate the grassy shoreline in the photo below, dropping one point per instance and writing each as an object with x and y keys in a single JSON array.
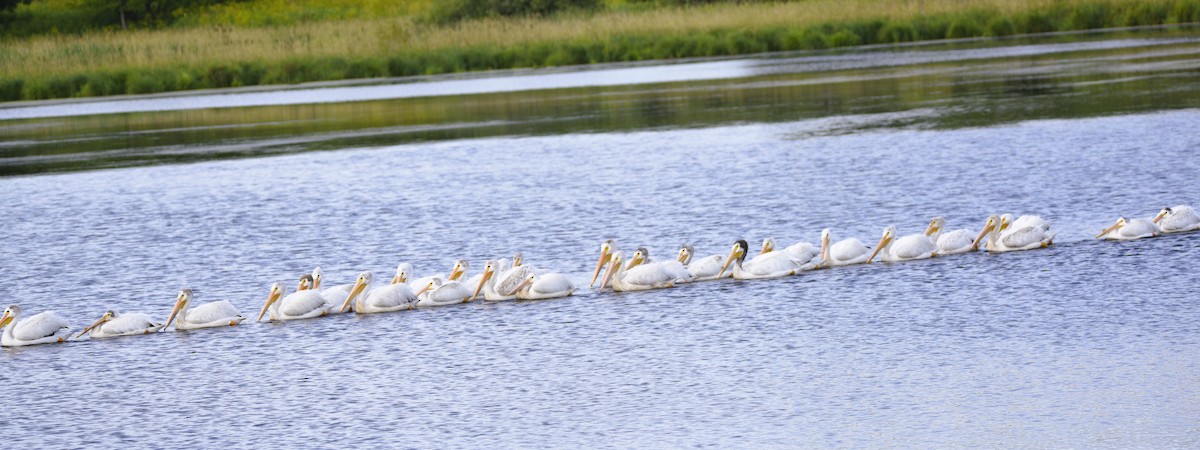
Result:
[{"x": 204, "y": 57}]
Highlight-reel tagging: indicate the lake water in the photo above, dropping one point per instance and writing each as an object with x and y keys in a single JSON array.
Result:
[{"x": 1084, "y": 344}]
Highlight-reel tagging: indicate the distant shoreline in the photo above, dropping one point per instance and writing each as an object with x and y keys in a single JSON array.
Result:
[{"x": 107, "y": 64}]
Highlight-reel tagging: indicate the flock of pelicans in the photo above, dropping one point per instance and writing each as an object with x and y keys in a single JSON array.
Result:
[{"x": 506, "y": 280}]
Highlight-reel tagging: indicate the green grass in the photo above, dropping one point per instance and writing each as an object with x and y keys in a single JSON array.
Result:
[{"x": 296, "y": 49}]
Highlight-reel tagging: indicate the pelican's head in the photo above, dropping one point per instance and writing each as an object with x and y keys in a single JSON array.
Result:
[
  {"x": 1121, "y": 221},
  {"x": 181, "y": 302},
  {"x": 316, "y": 278},
  {"x": 1006, "y": 220},
  {"x": 402, "y": 273},
  {"x": 606, "y": 250},
  {"x": 991, "y": 224},
  {"x": 433, "y": 283},
  {"x": 529, "y": 279},
  {"x": 685, "y": 254},
  {"x": 306, "y": 283},
  {"x": 935, "y": 226},
  {"x": 489, "y": 269},
  {"x": 360, "y": 284},
  {"x": 889, "y": 234},
  {"x": 460, "y": 267},
  {"x": 614, "y": 266},
  {"x": 641, "y": 255},
  {"x": 736, "y": 253},
  {"x": 272, "y": 297},
  {"x": 10, "y": 314},
  {"x": 518, "y": 259},
  {"x": 108, "y": 315},
  {"x": 768, "y": 246},
  {"x": 1162, "y": 214}
]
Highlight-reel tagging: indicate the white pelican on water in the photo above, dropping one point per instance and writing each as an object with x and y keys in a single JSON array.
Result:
[
  {"x": 41, "y": 328},
  {"x": 703, "y": 269},
  {"x": 641, "y": 257},
  {"x": 766, "y": 265},
  {"x": 333, "y": 295},
  {"x": 1126, "y": 229},
  {"x": 403, "y": 271},
  {"x": 906, "y": 248},
  {"x": 441, "y": 293},
  {"x": 544, "y": 286},
  {"x": 214, "y": 314},
  {"x": 456, "y": 271},
  {"x": 1025, "y": 233},
  {"x": 507, "y": 280},
  {"x": 803, "y": 252},
  {"x": 1177, "y": 219},
  {"x": 638, "y": 278},
  {"x": 952, "y": 242},
  {"x": 114, "y": 324},
  {"x": 305, "y": 303},
  {"x": 845, "y": 252},
  {"x": 393, "y": 297}
]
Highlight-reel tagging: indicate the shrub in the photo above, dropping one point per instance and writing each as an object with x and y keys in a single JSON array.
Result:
[{"x": 450, "y": 11}]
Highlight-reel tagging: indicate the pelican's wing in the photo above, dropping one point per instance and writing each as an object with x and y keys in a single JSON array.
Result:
[
  {"x": 912, "y": 246},
  {"x": 213, "y": 312},
  {"x": 706, "y": 267},
  {"x": 336, "y": 295},
  {"x": 38, "y": 326},
  {"x": 130, "y": 323},
  {"x": 1182, "y": 218},
  {"x": 301, "y": 303},
  {"x": 802, "y": 251},
  {"x": 509, "y": 280},
  {"x": 676, "y": 269},
  {"x": 391, "y": 296},
  {"x": 552, "y": 283},
  {"x": 771, "y": 263},
  {"x": 647, "y": 275},
  {"x": 848, "y": 249},
  {"x": 955, "y": 240},
  {"x": 1023, "y": 237},
  {"x": 1030, "y": 221}
]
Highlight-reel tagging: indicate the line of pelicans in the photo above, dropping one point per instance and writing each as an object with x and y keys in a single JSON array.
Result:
[{"x": 505, "y": 280}]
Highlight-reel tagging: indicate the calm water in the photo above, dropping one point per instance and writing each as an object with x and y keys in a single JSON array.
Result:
[{"x": 1086, "y": 344}]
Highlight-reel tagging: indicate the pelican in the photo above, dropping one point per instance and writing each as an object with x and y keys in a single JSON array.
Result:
[
  {"x": 41, "y": 328},
  {"x": 606, "y": 250},
  {"x": 489, "y": 280},
  {"x": 673, "y": 267},
  {"x": 305, "y": 303},
  {"x": 949, "y": 243},
  {"x": 1177, "y": 219},
  {"x": 403, "y": 271},
  {"x": 845, "y": 252},
  {"x": 1125, "y": 229},
  {"x": 1025, "y": 233},
  {"x": 544, "y": 286},
  {"x": 334, "y": 295},
  {"x": 214, "y": 314},
  {"x": 396, "y": 296},
  {"x": 906, "y": 248},
  {"x": 457, "y": 270},
  {"x": 441, "y": 293},
  {"x": 703, "y": 269},
  {"x": 638, "y": 278},
  {"x": 803, "y": 252},
  {"x": 114, "y": 324},
  {"x": 766, "y": 265}
]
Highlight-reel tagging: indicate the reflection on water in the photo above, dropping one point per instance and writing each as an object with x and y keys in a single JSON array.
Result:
[{"x": 960, "y": 87}]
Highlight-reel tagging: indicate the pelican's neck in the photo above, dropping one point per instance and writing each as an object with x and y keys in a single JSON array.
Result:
[{"x": 936, "y": 234}]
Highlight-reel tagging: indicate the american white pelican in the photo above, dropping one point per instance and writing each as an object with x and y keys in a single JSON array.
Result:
[
  {"x": 606, "y": 250},
  {"x": 213, "y": 314},
  {"x": 114, "y": 324},
  {"x": 333, "y": 295},
  {"x": 544, "y": 286},
  {"x": 1025, "y": 233},
  {"x": 393, "y": 297},
  {"x": 638, "y": 278},
  {"x": 305, "y": 303},
  {"x": 950, "y": 242},
  {"x": 845, "y": 252},
  {"x": 906, "y": 248},
  {"x": 488, "y": 280},
  {"x": 766, "y": 265},
  {"x": 456, "y": 271},
  {"x": 41, "y": 328},
  {"x": 1177, "y": 219},
  {"x": 641, "y": 257},
  {"x": 403, "y": 271},
  {"x": 1126, "y": 229},
  {"x": 803, "y": 252},
  {"x": 703, "y": 269},
  {"x": 441, "y": 293}
]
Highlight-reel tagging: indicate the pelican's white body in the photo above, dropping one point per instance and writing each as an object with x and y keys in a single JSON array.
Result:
[
  {"x": 42, "y": 328},
  {"x": 1025, "y": 233},
  {"x": 389, "y": 298},
  {"x": 707, "y": 268},
  {"x": 444, "y": 293},
  {"x": 767, "y": 265},
  {"x": 129, "y": 324},
  {"x": 547, "y": 285},
  {"x": 1181, "y": 219},
  {"x": 305, "y": 304},
  {"x": 1133, "y": 229},
  {"x": 214, "y": 314}
]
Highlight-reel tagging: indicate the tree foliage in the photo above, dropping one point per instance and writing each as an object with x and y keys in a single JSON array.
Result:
[
  {"x": 449, "y": 11},
  {"x": 6, "y": 5}
]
